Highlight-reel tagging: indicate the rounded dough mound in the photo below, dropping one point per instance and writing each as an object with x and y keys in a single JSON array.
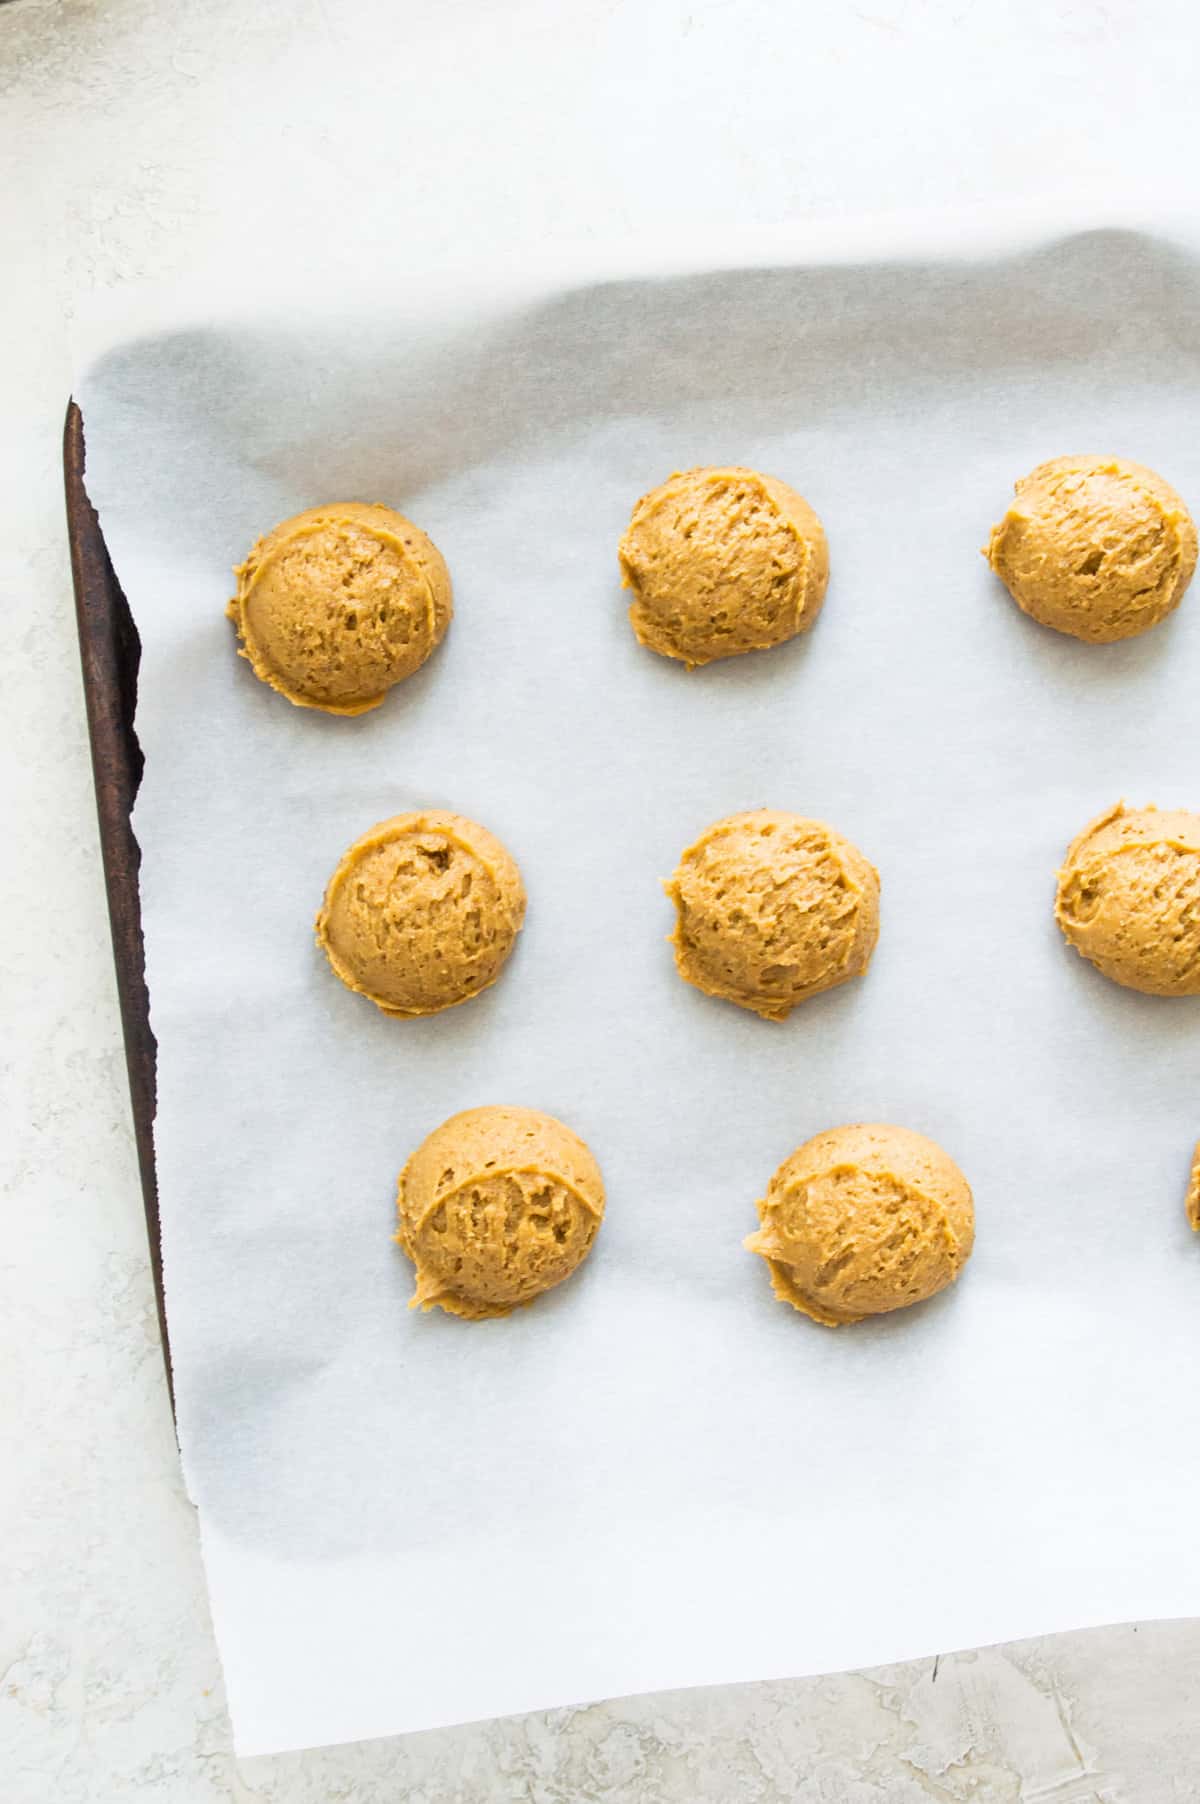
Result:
[
  {"x": 721, "y": 562},
  {"x": 338, "y": 604},
  {"x": 864, "y": 1219},
  {"x": 496, "y": 1206},
  {"x": 771, "y": 909},
  {"x": 422, "y": 912},
  {"x": 1129, "y": 898},
  {"x": 1095, "y": 546}
]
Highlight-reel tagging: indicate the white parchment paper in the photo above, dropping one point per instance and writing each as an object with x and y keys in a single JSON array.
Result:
[{"x": 659, "y": 1476}]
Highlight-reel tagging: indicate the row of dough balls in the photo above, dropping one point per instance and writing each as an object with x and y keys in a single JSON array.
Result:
[
  {"x": 339, "y": 604},
  {"x": 500, "y": 1204},
  {"x": 423, "y": 911}
]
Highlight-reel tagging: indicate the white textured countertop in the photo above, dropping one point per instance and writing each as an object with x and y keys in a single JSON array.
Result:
[{"x": 140, "y": 138}]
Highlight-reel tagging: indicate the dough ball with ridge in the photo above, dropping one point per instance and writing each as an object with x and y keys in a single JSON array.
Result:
[
  {"x": 1129, "y": 898},
  {"x": 720, "y": 562},
  {"x": 422, "y": 912},
  {"x": 862, "y": 1220},
  {"x": 772, "y": 908},
  {"x": 337, "y": 605},
  {"x": 497, "y": 1206},
  {"x": 1096, "y": 547}
]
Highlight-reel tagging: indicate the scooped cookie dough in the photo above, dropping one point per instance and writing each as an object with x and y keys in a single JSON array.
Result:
[
  {"x": 496, "y": 1206},
  {"x": 861, "y": 1220},
  {"x": 721, "y": 562},
  {"x": 1095, "y": 546},
  {"x": 1129, "y": 898},
  {"x": 1192, "y": 1201},
  {"x": 771, "y": 909},
  {"x": 337, "y": 605},
  {"x": 422, "y": 912}
]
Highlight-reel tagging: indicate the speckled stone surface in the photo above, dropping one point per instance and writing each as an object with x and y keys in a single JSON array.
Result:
[{"x": 139, "y": 137}]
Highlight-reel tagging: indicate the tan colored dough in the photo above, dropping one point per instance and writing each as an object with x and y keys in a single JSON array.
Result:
[
  {"x": 422, "y": 912},
  {"x": 720, "y": 562},
  {"x": 1129, "y": 898},
  {"x": 1192, "y": 1201},
  {"x": 862, "y": 1220},
  {"x": 1095, "y": 546},
  {"x": 496, "y": 1206},
  {"x": 771, "y": 909},
  {"x": 337, "y": 605}
]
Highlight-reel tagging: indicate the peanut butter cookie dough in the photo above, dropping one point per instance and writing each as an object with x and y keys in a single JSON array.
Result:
[
  {"x": 337, "y": 605},
  {"x": 720, "y": 562},
  {"x": 422, "y": 912},
  {"x": 1129, "y": 898},
  {"x": 1095, "y": 546},
  {"x": 496, "y": 1206},
  {"x": 771, "y": 909},
  {"x": 862, "y": 1220},
  {"x": 1192, "y": 1201}
]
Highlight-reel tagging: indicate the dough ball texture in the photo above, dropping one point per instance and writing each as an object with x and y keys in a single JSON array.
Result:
[
  {"x": 496, "y": 1206},
  {"x": 338, "y": 604},
  {"x": 1193, "y": 1195},
  {"x": 771, "y": 909},
  {"x": 861, "y": 1220},
  {"x": 1095, "y": 546},
  {"x": 1129, "y": 898},
  {"x": 422, "y": 912},
  {"x": 720, "y": 562}
]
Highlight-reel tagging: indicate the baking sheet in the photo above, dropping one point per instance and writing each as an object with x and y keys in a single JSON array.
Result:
[{"x": 659, "y": 1476}]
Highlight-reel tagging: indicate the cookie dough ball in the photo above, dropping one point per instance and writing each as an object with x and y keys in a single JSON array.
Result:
[
  {"x": 1095, "y": 547},
  {"x": 771, "y": 909},
  {"x": 721, "y": 562},
  {"x": 338, "y": 604},
  {"x": 861, "y": 1220},
  {"x": 1129, "y": 898},
  {"x": 496, "y": 1206},
  {"x": 1192, "y": 1202},
  {"x": 422, "y": 912}
]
